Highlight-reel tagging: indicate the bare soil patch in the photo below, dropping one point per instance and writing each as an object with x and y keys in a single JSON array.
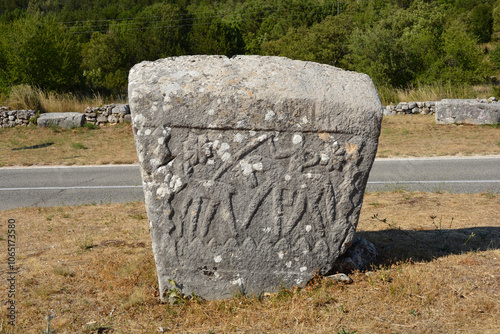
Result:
[{"x": 92, "y": 267}]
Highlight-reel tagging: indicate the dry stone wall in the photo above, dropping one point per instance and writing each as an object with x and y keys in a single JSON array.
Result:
[
  {"x": 10, "y": 118},
  {"x": 112, "y": 114},
  {"x": 107, "y": 114},
  {"x": 404, "y": 108}
]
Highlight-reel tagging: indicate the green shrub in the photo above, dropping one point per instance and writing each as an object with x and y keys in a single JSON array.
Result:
[{"x": 495, "y": 56}]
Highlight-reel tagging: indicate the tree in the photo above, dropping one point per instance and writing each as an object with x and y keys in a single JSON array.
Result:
[
  {"x": 495, "y": 36},
  {"x": 462, "y": 62},
  {"x": 481, "y": 22},
  {"x": 209, "y": 34},
  {"x": 39, "y": 51},
  {"x": 324, "y": 42}
]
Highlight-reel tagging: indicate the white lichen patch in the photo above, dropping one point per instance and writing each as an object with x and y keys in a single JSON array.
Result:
[
  {"x": 297, "y": 139},
  {"x": 267, "y": 230},
  {"x": 304, "y": 120},
  {"x": 252, "y": 133},
  {"x": 281, "y": 255},
  {"x": 217, "y": 259},
  {"x": 238, "y": 138},
  {"x": 162, "y": 191},
  {"x": 224, "y": 147},
  {"x": 211, "y": 112},
  {"x": 161, "y": 141},
  {"x": 238, "y": 281},
  {"x": 324, "y": 158},
  {"x": 258, "y": 166},
  {"x": 175, "y": 183},
  {"x": 309, "y": 175},
  {"x": 154, "y": 161},
  {"x": 302, "y": 269},
  {"x": 147, "y": 132},
  {"x": 210, "y": 162},
  {"x": 226, "y": 156},
  {"x": 169, "y": 89},
  {"x": 246, "y": 168},
  {"x": 249, "y": 84},
  {"x": 288, "y": 264},
  {"x": 288, "y": 177},
  {"x": 270, "y": 115},
  {"x": 308, "y": 228},
  {"x": 139, "y": 120},
  {"x": 208, "y": 183},
  {"x": 262, "y": 138}
]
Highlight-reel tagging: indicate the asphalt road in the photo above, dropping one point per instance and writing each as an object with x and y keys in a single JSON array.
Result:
[{"x": 51, "y": 186}]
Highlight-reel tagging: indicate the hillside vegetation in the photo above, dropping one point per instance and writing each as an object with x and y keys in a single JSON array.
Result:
[{"x": 89, "y": 46}]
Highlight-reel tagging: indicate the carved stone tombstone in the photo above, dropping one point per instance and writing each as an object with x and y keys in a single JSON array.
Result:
[{"x": 253, "y": 168}]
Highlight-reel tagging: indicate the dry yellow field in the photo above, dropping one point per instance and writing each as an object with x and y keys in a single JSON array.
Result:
[{"x": 92, "y": 268}]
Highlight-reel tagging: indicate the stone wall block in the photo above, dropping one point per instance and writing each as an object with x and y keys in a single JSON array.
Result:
[
  {"x": 458, "y": 111},
  {"x": 112, "y": 119},
  {"x": 67, "y": 120}
]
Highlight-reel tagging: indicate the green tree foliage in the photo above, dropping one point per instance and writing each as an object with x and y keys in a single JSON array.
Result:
[
  {"x": 481, "y": 22},
  {"x": 210, "y": 35},
  {"x": 39, "y": 51},
  {"x": 158, "y": 31},
  {"x": 495, "y": 36},
  {"x": 414, "y": 46},
  {"x": 324, "y": 42},
  {"x": 73, "y": 44},
  {"x": 495, "y": 56},
  {"x": 104, "y": 62},
  {"x": 11, "y": 5},
  {"x": 462, "y": 60}
]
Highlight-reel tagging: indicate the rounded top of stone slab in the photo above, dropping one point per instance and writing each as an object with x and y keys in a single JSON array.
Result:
[{"x": 252, "y": 93}]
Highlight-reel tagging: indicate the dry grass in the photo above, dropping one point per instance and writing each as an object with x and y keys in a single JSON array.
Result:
[
  {"x": 402, "y": 136},
  {"x": 26, "y": 146},
  {"x": 28, "y": 97},
  {"x": 92, "y": 266},
  {"x": 437, "y": 93},
  {"x": 420, "y": 136}
]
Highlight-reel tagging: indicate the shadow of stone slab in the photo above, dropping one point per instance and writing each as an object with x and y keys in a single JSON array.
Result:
[{"x": 395, "y": 245}]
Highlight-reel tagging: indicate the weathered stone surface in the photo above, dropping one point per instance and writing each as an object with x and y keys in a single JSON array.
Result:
[
  {"x": 467, "y": 112},
  {"x": 62, "y": 119},
  {"x": 253, "y": 168},
  {"x": 358, "y": 257},
  {"x": 121, "y": 109}
]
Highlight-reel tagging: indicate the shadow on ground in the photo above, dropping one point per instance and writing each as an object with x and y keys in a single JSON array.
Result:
[
  {"x": 34, "y": 147},
  {"x": 395, "y": 245}
]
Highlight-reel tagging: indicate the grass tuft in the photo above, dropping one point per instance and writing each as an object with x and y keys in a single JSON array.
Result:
[{"x": 78, "y": 146}]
